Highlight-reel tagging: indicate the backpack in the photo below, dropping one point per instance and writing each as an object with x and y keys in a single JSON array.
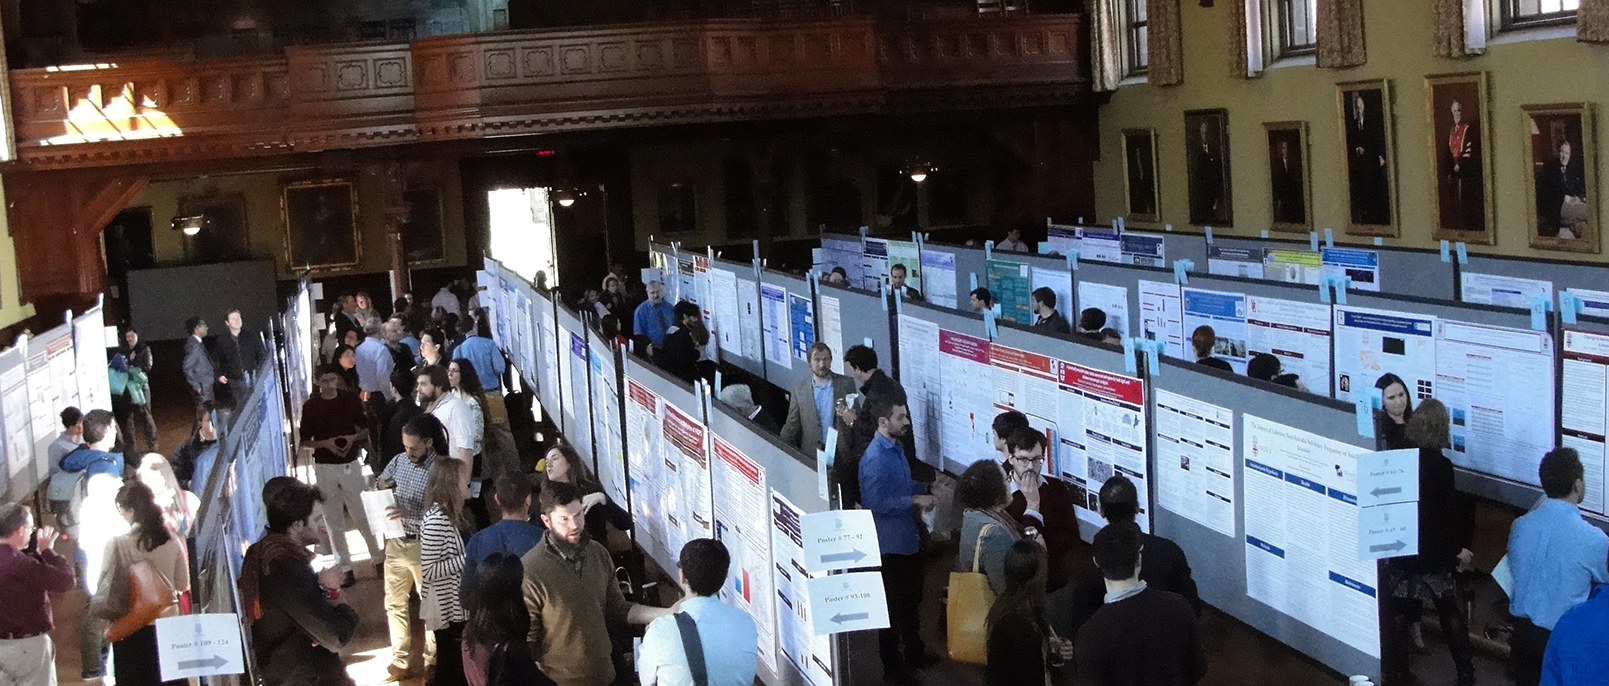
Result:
[{"x": 66, "y": 492}]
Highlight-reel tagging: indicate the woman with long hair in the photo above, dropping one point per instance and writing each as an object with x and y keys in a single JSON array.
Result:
[
  {"x": 465, "y": 384},
  {"x": 1396, "y": 408},
  {"x": 346, "y": 357},
  {"x": 147, "y": 540},
  {"x": 178, "y": 505},
  {"x": 1021, "y": 643},
  {"x": 563, "y": 464},
  {"x": 441, "y": 563},
  {"x": 494, "y": 649},
  {"x": 987, "y": 531}
]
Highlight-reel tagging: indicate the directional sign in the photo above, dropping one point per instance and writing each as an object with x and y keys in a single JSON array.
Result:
[
  {"x": 1390, "y": 476},
  {"x": 839, "y": 539},
  {"x": 1388, "y": 531},
  {"x": 199, "y": 645},
  {"x": 848, "y": 602}
]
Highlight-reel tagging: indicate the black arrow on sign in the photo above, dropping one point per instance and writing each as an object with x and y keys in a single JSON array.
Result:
[
  {"x": 1377, "y": 492},
  {"x": 851, "y": 556}
]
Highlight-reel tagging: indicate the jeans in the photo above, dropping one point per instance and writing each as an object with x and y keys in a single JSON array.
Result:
[
  {"x": 901, "y": 642},
  {"x": 1454, "y": 629},
  {"x": 402, "y": 575}
]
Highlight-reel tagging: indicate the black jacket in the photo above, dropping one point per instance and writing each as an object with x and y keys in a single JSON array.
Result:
[
  {"x": 238, "y": 355},
  {"x": 1162, "y": 566},
  {"x": 1055, "y": 323},
  {"x": 679, "y": 355},
  {"x": 298, "y": 638},
  {"x": 139, "y": 356}
]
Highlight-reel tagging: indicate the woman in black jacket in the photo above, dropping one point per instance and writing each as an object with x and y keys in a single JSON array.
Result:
[
  {"x": 494, "y": 648},
  {"x": 1391, "y": 420},
  {"x": 563, "y": 463},
  {"x": 1021, "y": 646}
]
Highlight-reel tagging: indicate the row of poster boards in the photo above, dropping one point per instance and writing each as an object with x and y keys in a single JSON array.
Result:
[{"x": 39, "y": 376}]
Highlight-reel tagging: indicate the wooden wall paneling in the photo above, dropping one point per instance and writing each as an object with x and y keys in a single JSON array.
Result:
[{"x": 55, "y": 219}]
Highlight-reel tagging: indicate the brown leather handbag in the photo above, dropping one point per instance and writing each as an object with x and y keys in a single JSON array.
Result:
[{"x": 147, "y": 595}]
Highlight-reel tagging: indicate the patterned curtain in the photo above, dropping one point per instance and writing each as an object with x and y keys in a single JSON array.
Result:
[
  {"x": 1235, "y": 19},
  {"x": 1592, "y": 21},
  {"x": 1340, "y": 34},
  {"x": 1106, "y": 44},
  {"x": 1166, "y": 38},
  {"x": 1447, "y": 28}
]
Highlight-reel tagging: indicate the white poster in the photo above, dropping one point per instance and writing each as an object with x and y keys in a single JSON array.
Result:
[
  {"x": 919, "y": 373},
  {"x": 89, "y": 345},
  {"x": 1296, "y": 332},
  {"x": 1302, "y": 532},
  {"x": 1195, "y": 461},
  {"x": 1293, "y": 266},
  {"x": 686, "y": 453},
  {"x": 1162, "y": 316},
  {"x": 1226, "y": 314},
  {"x": 1100, "y": 245},
  {"x": 809, "y": 653},
  {"x": 1101, "y": 419},
  {"x": 938, "y": 277},
  {"x": 874, "y": 264},
  {"x": 1586, "y": 404},
  {"x": 775, "y": 326},
  {"x": 1060, "y": 282},
  {"x": 832, "y": 329},
  {"x": 551, "y": 354},
  {"x": 1593, "y": 303},
  {"x": 14, "y": 414},
  {"x": 1504, "y": 291},
  {"x": 1498, "y": 385},
  {"x": 748, "y": 302},
  {"x": 651, "y": 481},
  {"x": 606, "y": 422},
  {"x": 842, "y": 252},
  {"x": 1370, "y": 343},
  {"x": 724, "y": 308},
  {"x": 1246, "y": 263},
  {"x": 1026, "y": 382},
  {"x": 1362, "y": 266},
  {"x": 966, "y": 399},
  {"x": 741, "y": 509},
  {"x": 1113, "y": 300}
]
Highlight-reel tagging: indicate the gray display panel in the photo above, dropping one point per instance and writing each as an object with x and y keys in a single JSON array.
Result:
[
  {"x": 1580, "y": 275},
  {"x": 1403, "y": 271},
  {"x": 864, "y": 318},
  {"x": 742, "y": 273},
  {"x": 798, "y": 368},
  {"x": 577, "y": 403},
  {"x": 547, "y": 354}
]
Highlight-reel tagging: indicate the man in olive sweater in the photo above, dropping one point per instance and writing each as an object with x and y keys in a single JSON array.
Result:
[
  {"x": 571, "y": 594},
  {"x": 1141, "y": 635}
]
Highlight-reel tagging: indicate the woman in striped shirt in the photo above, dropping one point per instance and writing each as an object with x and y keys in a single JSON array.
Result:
[{"x": 441, "y": 558}]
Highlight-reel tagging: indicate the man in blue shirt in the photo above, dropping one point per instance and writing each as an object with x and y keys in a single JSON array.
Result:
[
  {"x": 478, "y": 348},
  {"x": 1556, "y": 557},
  {"x": 887, "y": 489},
  {"x": 811, "y": 409},
  {"x": 727, "y": 636},
  {"x": 513, "y": 534},
  {"x": 374, "y": 361},
  {"x": 654, "y": 317},
  {"x": 1579, "y": 642}
]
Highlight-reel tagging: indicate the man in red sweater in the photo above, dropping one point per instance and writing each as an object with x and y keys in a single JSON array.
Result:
[
  {"x": 1041, "y": 503},
  {"x": 1141, "y": 635},
  {"x": 29, "y": 573}
]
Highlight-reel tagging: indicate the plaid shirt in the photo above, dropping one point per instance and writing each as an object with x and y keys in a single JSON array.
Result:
[{"x": 409, "y": 479}]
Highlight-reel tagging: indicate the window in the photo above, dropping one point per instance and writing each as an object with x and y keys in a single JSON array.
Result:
[
  {"x": 522, "y": 232},
  {"x": 1137, "y": 41},
  {"x": 1297, "y": 26},
  {"x": 1524, "y": 14}
]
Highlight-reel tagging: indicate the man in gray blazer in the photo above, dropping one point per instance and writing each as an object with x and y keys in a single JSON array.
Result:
[
  {"x": 199, "y": 373},
  {"x": 812, "y": 407}
]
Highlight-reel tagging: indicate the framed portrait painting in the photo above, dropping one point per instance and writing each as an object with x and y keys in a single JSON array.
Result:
[
  {"x": 1206, "y": 152},
  {"x": 1561, "y": 161},
  {"x": 1139, "y": 174},
  {"x": 1460, "y": 154},
  {"x": 423, "y": 236},
  {"x": 321, "y": 228},
  {"x": 1290, "y": 202},
  {"x": 1370, "y": 151}
]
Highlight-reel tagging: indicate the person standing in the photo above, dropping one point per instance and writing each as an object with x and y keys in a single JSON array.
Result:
[
  {"x": 708, "y": 642},
  {"x": 740, "y": 398},
  {"x": 1203, "y": 340},
  {"x": 478, "y": 348},
  {"x": 495, "y": 651},
  {"x": 1013, "y": 242},
  {"x": 981, "y": 299},
  {"x": 1141, "y": 635},
  {"x": 1580, "y": 640},
  {"x": 30, "y": 570},
  {"x": 198, "y": 370},
  {"x": 131, "y": 393},
  {"x": 134, "y": 657},
  {"x": 1047, "y": 319},
  {"x": 436, "y": 398},
  {"x": 1021, "y": 647},
  {"x": 562, "y": 464},
  {"x": 240, "y": 353},
  {"x": 514, "y": 534},
  {"x": 406, "y": 408},
  {"x": 446, "y": 300},
  {"x": 987, "y": 531},
  {"x": 297, "y": 628},
  {"x": 71, "y": 436},
  {"x": 141, "y": 421},
  {"x": 1041, "y": 504},
  {"x": 887, "y": 489},
  {"x": 423, "y": 441},
  {"x": 441, "y": 565},
  {"x": 334, "y": 426},
  {"x": 653, "y": 318},
  {"x": 678, "y": 351},
  {"x": 374, "y": 365},
  {"x": 205, "y": 435},
  {"x": 1556, "y": 557},
  {"x": 811, "y": 406},
  {"x": 1391, "y": 421},
  {"x": 875, "y": 385},
  {"x": 897, "y": 274}
]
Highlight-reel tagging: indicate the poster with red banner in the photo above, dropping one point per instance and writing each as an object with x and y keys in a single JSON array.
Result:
[{"x": 743, "y": 523}]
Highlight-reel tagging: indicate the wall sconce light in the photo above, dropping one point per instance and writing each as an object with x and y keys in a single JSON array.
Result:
[
  {"x": 190, "y": 225},
  {"x": 918, "y": 170},
  {"x": 565, "y": 197}
]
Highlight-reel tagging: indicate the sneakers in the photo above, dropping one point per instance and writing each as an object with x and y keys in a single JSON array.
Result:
[
  {"x": 396, "y": 673},
  {"x": 348, "y": 580}
]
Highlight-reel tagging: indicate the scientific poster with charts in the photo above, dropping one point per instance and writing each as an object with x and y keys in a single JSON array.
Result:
[
  {"x": 832, "y": 329},
  {"x": 577, "y": 406},
  {"x": 1148, "y": 249},
  {"x": 1060, "y": 282},
  {"x": 44, "y": 398},
  {"x": 842, "y": 252},
  {"x": 1498, "y": 385},
  {"x": 1302, "y": 532},
  {"x": 919, "y": 373},
  {"x": 1011, "y": 285},
  {"x": 774, "y": 324},
  {"x": 606, "y": 422},
  {"x": 1026, "y": 382},
  {"x": 89, "y": 367},
  {"x": 874, "y": 264},
  {"x": 809, "y": 653},
  {"x": 1505, "y": 291},
  {"x": 651, "y": 479},
  {"x": 1113, "y": 300},
  {"x": 1296, "y": 332},
  {"x": 742, "y": 503},
  {"x": 1371, "y": 343},
  {"x": 801, "y": 325},
  {"x": 1226, "y": 314},
  {"x": 1162, "y": 316},
  {"x": 907, "y": 254},
  {"x": 966, "y": 398},
  {"x": 1102, "y": 433},
  {"x": 686, "y": 454},
  {"x": 1195, "y": 461},
  {"x": 724, "y": 308},
  {"x": 938, "y": 277},
  {"x": 14, "y": 413},
  {"x": 1061, "y": 239},
  {"x": 1100, "y": 245},
  {"x": 1246, "y": 263},
  {"x": 1586, "y": 404},
  {"x": 1362, "y": 266},
  {"x": 550, "y": 357},
  {"x": 748, "y": 302}
]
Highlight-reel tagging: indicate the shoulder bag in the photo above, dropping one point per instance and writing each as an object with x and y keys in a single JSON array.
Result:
[
  {"x": 146, "y": 594},
  {"x": 967, "y": 610}
]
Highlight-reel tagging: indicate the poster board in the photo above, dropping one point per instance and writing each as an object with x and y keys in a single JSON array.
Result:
[
  {"x": 21, "y": 472},
  {"x": 546, "y": 347},
  {"x": 657, "y": 483},
  {"x": 573, "y": 363},
  {"x": 89, "y": 350},
  {"x": 1564, "y": 274},
  {"x": 969, "y": 265},
  {"x": 1403, "y": 271},
  {"x": 50, "y": 382},
  {"x": 949, "y": 398},
  {"x": 861, "y": 316},
  {"x": 607, "y": 422},
  {"x": 794, "y": 328},
  {"x": 731, "y": 312},
  {"x": 1286, "y": 320}
]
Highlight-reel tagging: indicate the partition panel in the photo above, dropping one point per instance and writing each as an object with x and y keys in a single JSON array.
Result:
[
  {"x": 1191, "y": 511},
  {"x": 861, "y": 317},
  {"x": 548, "y": 381},
  {"x": 1563, "y": 274},
  {"x": 928, "y": 338},
  {"x": 968, "y": 263},
  {"x": 21, "y": 472},
  {"x": 654, "y": 466},
  {"x": 1186, "y": 246},
  {"x": 607, "y": 423},
  {"x": 1403, "y": 271},
  {"x": 573, "y": 363},
  {"x": 735, "y": 303},
  {"x": 1113, "y": 276},
  {"x": 788, "y": 327}
]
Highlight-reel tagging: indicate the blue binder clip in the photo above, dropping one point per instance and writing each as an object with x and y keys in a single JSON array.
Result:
[
  {"x": 1463, "y": 253},
  {"x": 1072, "y": 260},
  {"x": 1365, "y": 416},
  {"x": 1329, "y": 238},
  {"x": 1209, "y": 234},
  {"x": 1181, "y": 268},
  {"x": 1446, "y": 250},
  {"x": 1569, "y": 305},
  {"x": 990, "y": 328},
  {"x": 1129, "y": 364}
]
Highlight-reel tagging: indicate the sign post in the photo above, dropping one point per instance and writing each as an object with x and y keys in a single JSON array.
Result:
[
  {"x": 839, "y": 539},
  {"x": 1388, "y": 504},
  {"x": 848, "y": 602}
]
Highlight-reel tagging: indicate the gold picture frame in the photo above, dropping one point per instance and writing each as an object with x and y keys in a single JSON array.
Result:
[
  {"x": 321, "y": 224},
  {"x": 1207, "y": 163},
  {"x": 1561, "y": 161},
  {"x": 1460, "y": 157},
  {"x": 1142, "y": 199},
  {"x": 1289, "y": 184},
  {"x": 1369, "y": 152}
]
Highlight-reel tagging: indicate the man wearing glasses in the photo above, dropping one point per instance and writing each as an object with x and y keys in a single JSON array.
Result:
[{"x": 1041, "y": 503}]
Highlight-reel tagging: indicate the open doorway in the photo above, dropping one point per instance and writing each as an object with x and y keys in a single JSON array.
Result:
[{"x": 522, "y": 233}]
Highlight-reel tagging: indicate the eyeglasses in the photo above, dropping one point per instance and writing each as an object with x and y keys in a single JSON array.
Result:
[{"x": 1029, "y": 460}]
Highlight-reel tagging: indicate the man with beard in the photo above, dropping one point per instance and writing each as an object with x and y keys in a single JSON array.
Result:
[
  {"x": 887, "y": 489},
  {"x": 679, "y": 354},
  {"x": 568, "y": 579}
]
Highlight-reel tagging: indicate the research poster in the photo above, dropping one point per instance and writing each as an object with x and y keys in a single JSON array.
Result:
[
  {"x": 1498, "y": 385},
  {"x": 650, "y": 478},
  {"x": 1363, "y": 266},
  {"x": 742, "y": 503},
  {"x": 550, "y": 359},
  {"x": 1246, "y": 263},
  {"x": 1113, "y": 300},
  {"x": 809, "y": 653},
  {"x": 1370, "y": 343},
  {"x": 966, "y": 398},
  {"x": 1026, "y": 382},
  {"x": 906, "y": 253},
  {"x": 919, "y": 373},
  {"x": 1195, "y": 461},
  {"x": 1100, "y": 245},
  {"x": 686, "y": 454},
  {"x": 832, "y": 329},
  {"x": 89, "y": 346},
  {"x": 578, "y": 405},
  {"x": 842, "y": 252},
  {"x": 938, "y": 277},
  {"x": 1504, "y": 291},
  {"x": 775, "y": 325},
  {"x": 1302, "y": 532},
  {"x": 1147, "y": 249},
  {"x": 874, "y": 264},
  {"x": 1293, "y": 266},
  {"x": 1061, "y": 239},
  {"x": 1162, "y": 316},
  {"x": 1102, "y": 433},
  {"x": 44, "y": 399},
  {"x": 1226, "y": 314},
  {"x": 63, "y": 363},
  {"x": 1586, "y": 404},
  {"x": 686, "y": 279},
  {"x": 748, "y": 302},
  {"x": 801, "y": 325},
  {"x": 1594, "y": 303},
  {"x": 1296, "y": 332},
  {"x": 727, "y": 313},
  {"x": 14, "y": 413},
  {"x": 606, "y": 423},
  {"x": 1060, "y": 282},
  {"x": 1011, "y": 284}
]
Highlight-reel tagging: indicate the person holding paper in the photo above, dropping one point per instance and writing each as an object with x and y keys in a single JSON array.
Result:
[
  {"x": 887, "y": 489},
  {"x": 334, "y": 427},
  {"x": 1556, "y": 558},
  {"x": 810, "y": 408},
  {"x": 727, "y": 640},
  {"x": 423, "y": 441},
  {"x": 896, "y": 283},
  {"x": 1443, "y": 534}
]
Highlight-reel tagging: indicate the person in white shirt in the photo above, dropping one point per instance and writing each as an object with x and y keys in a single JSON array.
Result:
[
  {"x": 1013, "y": 242},
  {"x": 726, "y": 635},
  {"x": 436, "y": 397},
  {"x": 446, "y": 300}
]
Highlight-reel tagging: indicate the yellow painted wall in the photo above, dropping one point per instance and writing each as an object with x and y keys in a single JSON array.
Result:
[
  {"x": 12, "y": 310},
  {"x": 1528, "y": 72}
]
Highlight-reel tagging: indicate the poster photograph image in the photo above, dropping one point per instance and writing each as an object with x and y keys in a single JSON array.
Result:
[
  {"x": 1460, "y": 154},
  {"x": 1366, "y": 141},
  {"x": 1296, "y": 332},
  {"x": 1101, "y": 416},
  {"x": 1371, "y": 343},
  {"x": 1226, "y": 314}
]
